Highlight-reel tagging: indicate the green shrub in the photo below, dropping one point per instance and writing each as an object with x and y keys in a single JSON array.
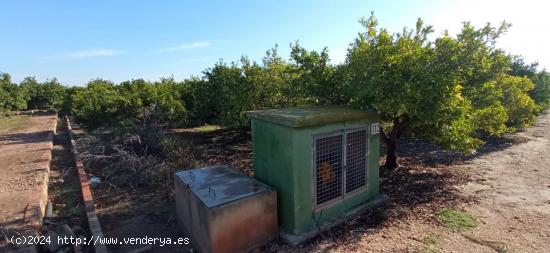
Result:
[
  {"x": 48, "y": 95},
  {"x": 12, "y": 97},
  {"x": 541, "y": 79},
  {"x": 520, "y": 107},
  {"x": 541, "y": 92},
  {"x": 100, "y": 104}
]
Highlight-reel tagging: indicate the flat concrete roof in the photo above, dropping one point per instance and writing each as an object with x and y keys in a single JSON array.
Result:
[
  {"x": 218, "y": 185},
  {"x": 311, "y": 115}
]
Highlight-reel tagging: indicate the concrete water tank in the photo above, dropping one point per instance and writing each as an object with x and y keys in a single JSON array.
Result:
[{"x": 223, "y": 210}]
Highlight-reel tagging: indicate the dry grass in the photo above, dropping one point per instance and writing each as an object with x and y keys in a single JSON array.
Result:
[
  {"x": 147, "y": 161},
  {"x": 206, "y": 128},
  {"x": 13, "y": 123}
]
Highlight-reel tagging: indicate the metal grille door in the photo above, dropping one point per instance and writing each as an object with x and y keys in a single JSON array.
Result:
[
  {"x": 340, "y": 164},
  {"x": 356, "y": 160},
  {"x": 329, "y": 167}
]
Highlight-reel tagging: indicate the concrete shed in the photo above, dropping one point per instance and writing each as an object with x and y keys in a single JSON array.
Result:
[{"x": 323, "y": 162}]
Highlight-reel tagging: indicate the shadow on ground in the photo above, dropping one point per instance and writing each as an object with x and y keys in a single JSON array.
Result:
[
  {"x": 24, "y": 138},
  {"x": 424, "y": 183},
  {"x": 430, "y": 154}
]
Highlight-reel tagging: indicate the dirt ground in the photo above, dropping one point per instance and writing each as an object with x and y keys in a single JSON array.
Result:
[
  {"x": 24, "y": 153},
  {"x": 126, "y": 212},
  {"x": 506, "y": 185},
  {"x": 512, "y": 189}
]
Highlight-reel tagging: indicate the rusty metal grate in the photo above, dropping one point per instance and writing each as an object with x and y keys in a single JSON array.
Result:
[
  {"x": 356, "y": 160},
  {"x": 329, "y": 166},
  {"x": 340, "y": 164}
]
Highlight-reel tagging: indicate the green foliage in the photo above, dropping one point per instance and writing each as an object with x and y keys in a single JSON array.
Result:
[
  {"x": 30, "y": 94},
  {"x": 541, "y": 92},
  {"x": 103, "y": 103},
  {"x": 453, "y": 126},
  {"x": 521, "y": 108},
  {"x": 68, "y": 100},
  {"x": 411, "y": 84},
  {"x": 12, "y": 97},
  {"x": 100, "y": 104},
  {"x": 322, "y": 82},
  {"x": 457, "y": 220},
  {"x": 227, "y": 91},
  {"x": 276, "y": 82},
  {"x": 234, "y": 92},
  {"x": 168, "y": 100},
  {"x": 200, "y": 98},
  {"x": 449, "y": 90},
  {"x": 489, "y": 113},
  {"x": 541, "y": 79},
  {"x": 47, "y": 95},
  {"x": 481, "y": 64},
  {"x": 445, "y": 91},
  {"x": 165, "y": 95}
]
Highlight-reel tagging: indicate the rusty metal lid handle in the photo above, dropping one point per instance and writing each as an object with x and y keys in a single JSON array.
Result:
[{"x": 210, "y": 190}]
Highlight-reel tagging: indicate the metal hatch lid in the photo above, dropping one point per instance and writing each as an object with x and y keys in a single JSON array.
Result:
[
  {"x": 306, "y": 116},
  {"x": 220, "y": 184}
]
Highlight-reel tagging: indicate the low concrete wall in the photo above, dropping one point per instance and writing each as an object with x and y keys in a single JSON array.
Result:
[
  {"x": 93, "y": 221},
  {"x": 38, "y": 198}
]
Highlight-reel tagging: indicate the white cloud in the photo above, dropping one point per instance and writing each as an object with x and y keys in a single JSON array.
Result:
[
  {"x": 186, "y": 46},
  {"x": 89, "y": 54}
]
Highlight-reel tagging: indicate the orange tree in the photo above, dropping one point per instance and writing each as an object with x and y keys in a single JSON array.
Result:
[{"x": 444, "y": 91}]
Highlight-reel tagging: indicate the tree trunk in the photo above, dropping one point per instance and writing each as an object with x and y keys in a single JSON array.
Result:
[
  {"x": 391, "y": 138},
  {"x": 391, "y": 157}
]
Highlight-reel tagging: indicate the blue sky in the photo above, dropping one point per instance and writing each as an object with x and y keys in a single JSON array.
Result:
[{"x": 76, "y": 41}]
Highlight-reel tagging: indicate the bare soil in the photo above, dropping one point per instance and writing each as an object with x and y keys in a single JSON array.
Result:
[
  {"x": 512, "y": 190},
  {"x": 24, "y": 150},
  {"x": 133, "y": 212},
  {"x": 506, "y": 185}
]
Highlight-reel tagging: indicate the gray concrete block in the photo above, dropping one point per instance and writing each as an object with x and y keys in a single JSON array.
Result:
[{"x": 224, "y": 210}]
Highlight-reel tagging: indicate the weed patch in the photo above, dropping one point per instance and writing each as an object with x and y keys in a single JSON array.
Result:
[
  {"x": 206, "y": 128},
  {"x": 431, "y": 244},
  {"x": 457, "y": 220},
  {"x": 431, "y": 240}
]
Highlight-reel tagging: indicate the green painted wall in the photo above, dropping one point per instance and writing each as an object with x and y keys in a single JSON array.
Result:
[
  {"x": 283, "y": 158},
  {"x": 272, "y": 155}
]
